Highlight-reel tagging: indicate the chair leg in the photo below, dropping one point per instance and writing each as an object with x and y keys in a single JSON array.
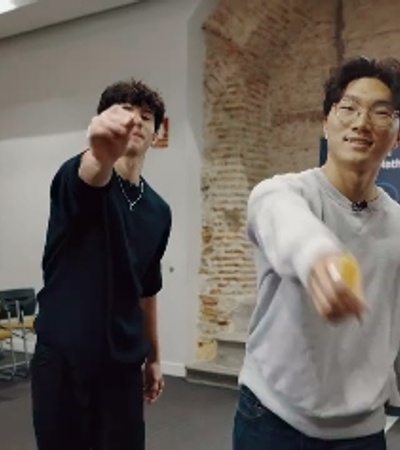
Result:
[
  {"x": 26, "y": 354},
  {"x": 13, "y": 358},
  {"x": 24, "y": 337},
  {"x": 9, "y": 371}
]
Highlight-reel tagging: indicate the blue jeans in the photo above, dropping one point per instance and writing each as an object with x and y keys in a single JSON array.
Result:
[{"x": 257, "y": 428}]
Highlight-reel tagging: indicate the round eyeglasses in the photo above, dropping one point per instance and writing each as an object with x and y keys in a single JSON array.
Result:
[{"x": 380, "y": 115}]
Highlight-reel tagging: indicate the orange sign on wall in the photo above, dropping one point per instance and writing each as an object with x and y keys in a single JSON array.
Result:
[{"x": 163, "y": 134}]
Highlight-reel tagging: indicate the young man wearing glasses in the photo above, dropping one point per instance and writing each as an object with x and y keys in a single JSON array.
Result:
[{"x": 321, "y": 357}]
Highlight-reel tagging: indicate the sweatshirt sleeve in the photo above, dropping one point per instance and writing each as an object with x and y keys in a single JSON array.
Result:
[
  {"x": 282, "y": 225},
  {"x": 393, "y": 403}
]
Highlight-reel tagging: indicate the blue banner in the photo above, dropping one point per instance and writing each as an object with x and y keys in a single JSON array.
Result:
[{"x": 389, "y": 175}]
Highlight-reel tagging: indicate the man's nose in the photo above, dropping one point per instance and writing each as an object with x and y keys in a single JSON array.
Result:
[
  {"x": 137, "y": 118},
  {"x": 363, "y": 120}
]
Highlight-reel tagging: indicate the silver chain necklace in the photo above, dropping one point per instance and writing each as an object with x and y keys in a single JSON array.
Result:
[{"x": 131, "y": 203}]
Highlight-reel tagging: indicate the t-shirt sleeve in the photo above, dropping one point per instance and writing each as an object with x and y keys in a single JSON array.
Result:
[
  {"x": 152, "y": 280},
  {"x": 70, "y": 195}
]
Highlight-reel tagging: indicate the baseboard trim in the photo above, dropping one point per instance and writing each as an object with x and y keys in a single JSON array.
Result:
[
  {"x": 173, "y": 369},
  {"x": 168, "y": 367},
  {"x": 390, "y": 421}
]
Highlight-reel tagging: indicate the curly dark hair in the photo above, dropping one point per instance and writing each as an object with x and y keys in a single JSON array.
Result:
[
  {"x": 135, "y": 93},
  {"x": 386, "y": 70}
]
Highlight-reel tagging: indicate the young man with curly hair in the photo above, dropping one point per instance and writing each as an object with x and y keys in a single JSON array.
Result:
[
  {"x": 97, "y": 352},
  {"x": 321, "y": 356}
]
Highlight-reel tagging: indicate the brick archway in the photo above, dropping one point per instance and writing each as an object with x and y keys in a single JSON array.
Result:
[{"x": 265, "y": 64}]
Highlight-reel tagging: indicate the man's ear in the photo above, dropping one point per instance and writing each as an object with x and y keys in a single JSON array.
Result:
[
  {"x": 154, "y": 140},
  {"x": 397, "y": 143},
  {"x": 324, "y": 129}
]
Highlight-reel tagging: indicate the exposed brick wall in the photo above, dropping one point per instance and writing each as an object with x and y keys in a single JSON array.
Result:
[
  {"x": 232, "y": 147},
  {"x": 296, "y": 88},
  {"x": 266, "y": 63},
  {"x": 371, "y": 28}
]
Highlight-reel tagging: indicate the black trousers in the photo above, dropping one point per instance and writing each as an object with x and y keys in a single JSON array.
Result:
[{"x": 75, "y": 410}]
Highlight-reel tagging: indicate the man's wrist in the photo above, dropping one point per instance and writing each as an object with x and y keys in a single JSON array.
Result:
[
  {"x": 94, "y": 172},
  {"x": 153, "y": 357},
  {"x": 98, "y": 163}
]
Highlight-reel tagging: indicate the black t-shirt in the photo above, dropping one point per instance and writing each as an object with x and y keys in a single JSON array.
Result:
[{"x": 99, "y": 260}]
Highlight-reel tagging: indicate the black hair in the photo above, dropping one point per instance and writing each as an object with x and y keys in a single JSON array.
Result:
[
  {"x": 136, "y": 93},
  {"x": 386, "y": 70}
]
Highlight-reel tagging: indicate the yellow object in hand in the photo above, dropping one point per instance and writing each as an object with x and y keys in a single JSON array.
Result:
[{"x": 351, "y": 273}]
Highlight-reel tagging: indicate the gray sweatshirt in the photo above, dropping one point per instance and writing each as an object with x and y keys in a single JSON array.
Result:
[{"x": 328, "y": 381}]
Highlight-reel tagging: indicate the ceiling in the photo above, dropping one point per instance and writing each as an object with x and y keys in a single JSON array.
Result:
[{"x": 33, "y": 14}]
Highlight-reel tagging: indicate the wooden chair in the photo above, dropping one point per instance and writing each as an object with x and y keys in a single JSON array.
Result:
[
  {"x": 19, "y": 306},
  {"x": 8, "y": 370}
]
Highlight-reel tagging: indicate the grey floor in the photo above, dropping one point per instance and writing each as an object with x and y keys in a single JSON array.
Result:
[{"x": 188, "y": 416}]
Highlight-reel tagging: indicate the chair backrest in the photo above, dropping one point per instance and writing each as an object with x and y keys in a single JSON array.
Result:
[{"x": 25, "y": 297}]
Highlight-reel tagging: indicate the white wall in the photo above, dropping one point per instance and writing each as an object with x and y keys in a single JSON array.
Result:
[{"x": 50, "y": 82}]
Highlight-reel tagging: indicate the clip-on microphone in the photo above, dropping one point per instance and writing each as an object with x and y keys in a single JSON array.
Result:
[{"x": 359, "y": 206}]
